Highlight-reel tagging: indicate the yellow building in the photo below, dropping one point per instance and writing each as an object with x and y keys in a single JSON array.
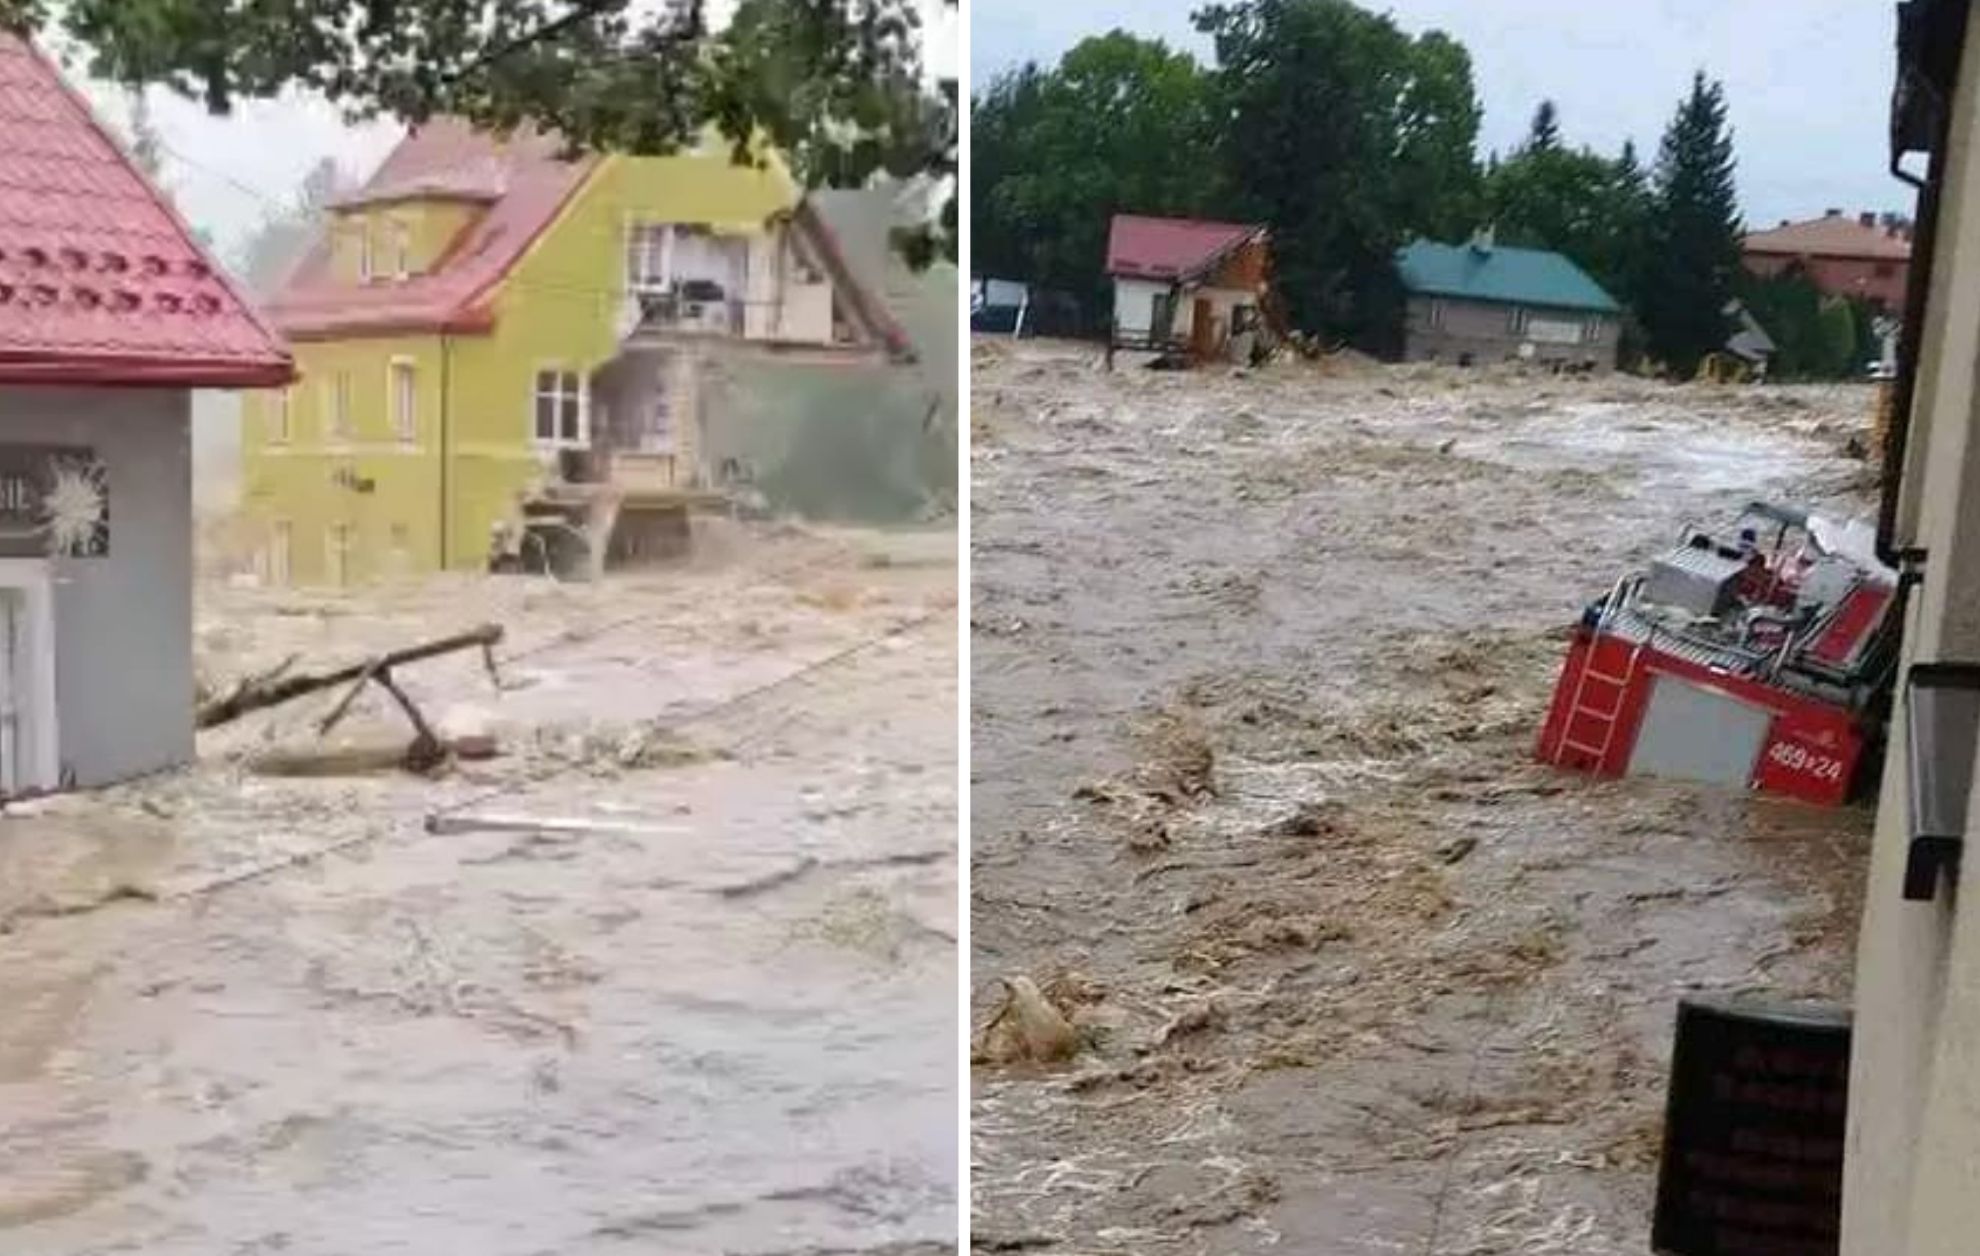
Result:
[{"x": 488, "y": 331}]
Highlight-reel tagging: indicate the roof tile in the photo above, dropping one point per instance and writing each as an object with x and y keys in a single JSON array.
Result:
[
  {"x": 1834, "y": 235},
  {"x": 1500, "y": 274},
  {"x": 1165, "y": 248},
  {"x": 535, "y": 183},
  {"x": 100, "y": 282}
]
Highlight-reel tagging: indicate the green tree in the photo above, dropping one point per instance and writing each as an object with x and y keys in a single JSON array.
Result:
[
  {"x": 1574, "y": 201},
  {"x": 1839, "y": 359},
  {"x": 1120, "y": 125},
  {"x": 1002, "y": 117},
  {"x": 1348, "y": 138},
  {"x": 1692, "y": 233},
  {"x": 1545, "y": 132},
  {"x": 840, "y": 79},
  {"x": 286, "y": 233}
]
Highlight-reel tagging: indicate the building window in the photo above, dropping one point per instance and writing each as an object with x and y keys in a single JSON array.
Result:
[
  {"x": 559, "y": 409},
  {"x": 403, "y": 397},
  {"x": 281, "y": 409},
  {"x": 281, "y": 537},
  {"x": 337, "y": 406},
  {"x": 337, "y": 554},
  {"x": 649, "y": 256},
  {"x": 1436, "y": 316},
  {"x": 367, "y": 261},
  {"x": 1519, "y": 320},
  {"x": 1591, "y": 331},
  {"x": 401, "y": 251}
]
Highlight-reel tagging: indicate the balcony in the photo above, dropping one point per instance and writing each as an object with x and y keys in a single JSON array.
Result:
[{"x": 688, "y": 307}]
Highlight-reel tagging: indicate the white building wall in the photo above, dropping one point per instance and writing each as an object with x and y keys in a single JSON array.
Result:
[
  {"x": 123, "y": 622},
  {"x": 1134, "y": 305},
  {"x": 1913, "y": 1151}
]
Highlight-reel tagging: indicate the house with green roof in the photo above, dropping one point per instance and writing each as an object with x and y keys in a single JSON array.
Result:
[{"x": 1480, "y": 302}]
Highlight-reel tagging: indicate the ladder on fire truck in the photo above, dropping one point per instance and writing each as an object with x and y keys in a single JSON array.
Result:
[{"x": 1580, "y": 707}]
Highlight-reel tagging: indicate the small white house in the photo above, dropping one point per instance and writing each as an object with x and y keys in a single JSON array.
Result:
[
  {"x": 1185, "y": 283},
  {"x": 110, "y": 317}
]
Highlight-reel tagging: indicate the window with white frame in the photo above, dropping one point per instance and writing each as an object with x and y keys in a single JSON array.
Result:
[
  {"x": 281, "y": 536},
  {"x": 649, "y": 256},
  {"x": 1592, "y": 330},
  {"x": 1436, "y": 315},
  {"x": 1520, "y": 318},
  {"x": 559, "y": 411},
  {"x": 367, "y": 258},
  {"x": 337, "y": 406},
  {"x": 401, "y": 250},
  {"x": 402, "y": 394},
  {"x": 281, "y": 410},
  {"x": 337, "y": 546}
]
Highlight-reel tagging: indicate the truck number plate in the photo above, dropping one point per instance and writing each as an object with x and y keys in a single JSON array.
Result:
[{"x": 1806, "y": 762}]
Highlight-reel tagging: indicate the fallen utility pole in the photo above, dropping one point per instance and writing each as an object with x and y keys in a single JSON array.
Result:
[{"x": 276, "y": 688}]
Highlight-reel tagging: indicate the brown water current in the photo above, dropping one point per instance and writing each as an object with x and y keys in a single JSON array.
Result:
[
  {"x": 720, "y": 1022},
  {"x": 1258, "y": 663}
]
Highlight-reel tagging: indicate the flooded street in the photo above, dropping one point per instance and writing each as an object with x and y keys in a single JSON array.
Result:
[
  {"x": 1259, "y": 660},
  {"x": 714, "y": 1015}
]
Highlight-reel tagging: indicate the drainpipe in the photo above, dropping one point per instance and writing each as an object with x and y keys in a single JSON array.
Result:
[
  {"x": 446, "y": 452},
  {"x": 1927, "y": 30}
]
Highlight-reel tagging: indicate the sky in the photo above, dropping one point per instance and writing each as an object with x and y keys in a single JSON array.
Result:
[
  {"x": 226, "y": 174},
  {"x": 1808, "y": 82}
]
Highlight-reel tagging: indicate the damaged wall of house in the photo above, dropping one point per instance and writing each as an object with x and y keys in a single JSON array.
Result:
[{"x": 868, "y": 443}]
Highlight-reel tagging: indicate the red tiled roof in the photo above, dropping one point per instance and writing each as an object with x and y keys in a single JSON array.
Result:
[
  {"x": 100, "y": 281},
  {"x": 534, "y": 183},
  {"x": 1835, "y": 235},
  {"x": 1166, "y": 248}
]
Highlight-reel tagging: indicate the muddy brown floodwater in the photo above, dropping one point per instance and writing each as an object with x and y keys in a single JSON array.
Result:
[
  {"x": 722, "y": 1023},
  {"x": 1258, "y": 664}
]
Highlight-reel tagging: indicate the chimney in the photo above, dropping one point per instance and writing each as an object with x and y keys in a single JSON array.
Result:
[
  {"x": 1832, "y": 213},
  {"x": 1866, "y": 219},
  {"x": 1786, "y": 223}
]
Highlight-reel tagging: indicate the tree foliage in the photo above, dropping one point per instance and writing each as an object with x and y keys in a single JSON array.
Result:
[
  {"x": 1120, "y": 125},
  {"x": 1545, "y": 133},
  {"x": 285, "y": 233},
  {"x": 1573, "y": 201},
  {"x": 1347, "y": 137},
  {"x": 1692, "y": 234},
  {"x": 1815, "y": 337},
  {"x": 840, "y": 82}
]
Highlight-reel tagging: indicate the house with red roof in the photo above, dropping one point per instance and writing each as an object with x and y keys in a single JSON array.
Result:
[
  {"x": 110, "y": 314},
  {"x": 506, "y": 349},
  {"x": 1865, "y": 256},
  {"x": 1186, "y": 283}
]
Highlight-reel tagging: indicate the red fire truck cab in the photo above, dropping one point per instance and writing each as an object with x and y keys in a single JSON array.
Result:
[{"x": 1760, "y": 662}]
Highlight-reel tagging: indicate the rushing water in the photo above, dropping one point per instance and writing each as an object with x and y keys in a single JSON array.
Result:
[{"x": 723, "y": 1022}]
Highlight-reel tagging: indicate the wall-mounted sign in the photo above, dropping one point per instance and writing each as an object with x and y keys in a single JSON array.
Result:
[
  {"x": 1753, "y": 1132},
  {"x": 54, "y": 500}
]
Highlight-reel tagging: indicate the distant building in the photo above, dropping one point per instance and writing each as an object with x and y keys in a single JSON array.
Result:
[
  {"x": 110, "y": 316},
  {"x": 1867, "y": 256},
  {"x": 1749, "y": 341},
  {"x": 492, "y": 332},
  {"x": 1183, "y": 283},
  {"x": 1480, "y": 302},
  {"x": 998, "y": 305}
]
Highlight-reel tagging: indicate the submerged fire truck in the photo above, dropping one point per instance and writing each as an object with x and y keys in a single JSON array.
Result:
[{"x": 1763, "y": 661}]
